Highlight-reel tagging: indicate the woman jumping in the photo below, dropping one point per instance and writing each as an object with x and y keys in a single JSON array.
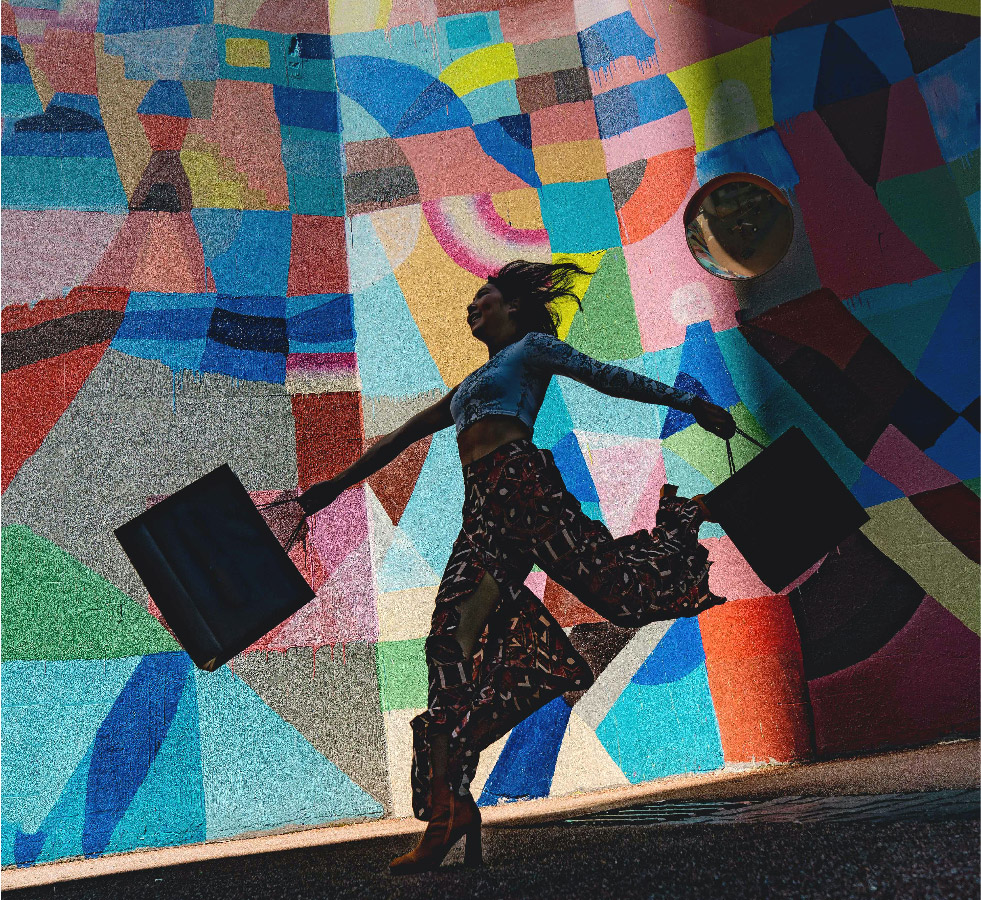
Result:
[{"x": 495, "y": 654}]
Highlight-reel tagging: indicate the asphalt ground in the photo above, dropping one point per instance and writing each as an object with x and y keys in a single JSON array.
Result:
[{"x": 921, "y": 844}]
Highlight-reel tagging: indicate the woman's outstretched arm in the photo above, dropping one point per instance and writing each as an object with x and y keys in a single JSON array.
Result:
[{"x": 432, "y": 419}]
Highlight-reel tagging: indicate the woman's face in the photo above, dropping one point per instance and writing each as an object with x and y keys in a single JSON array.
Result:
[{"x": 488, "y": 312}]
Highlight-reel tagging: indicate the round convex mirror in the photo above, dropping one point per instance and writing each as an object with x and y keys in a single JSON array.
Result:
[{"x": 738, "y": 226}]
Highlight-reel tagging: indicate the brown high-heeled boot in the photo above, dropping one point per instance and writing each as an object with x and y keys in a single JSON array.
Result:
[{"x": 453, "y": 817}]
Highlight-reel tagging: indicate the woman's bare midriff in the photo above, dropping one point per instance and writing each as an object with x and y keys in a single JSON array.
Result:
[{"x": 489, "y": 433}]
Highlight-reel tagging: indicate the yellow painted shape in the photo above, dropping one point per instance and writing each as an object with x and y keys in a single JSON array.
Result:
[
  {"x": 489, "y": 65},
  {"x": 384, "y": 13},
  {"x": 405, "y": 615},
  {"x": 570, "y": 161},
  {"x": 728, "y": 96},
  {"x": 348, "y": 16},
  {"x": 937, "y": 566},
  {"x": 520, "y": 209},
  {"x": 437, "y": 292},
  {"x": 208, "y": 188},
  {"x": 967, "y": 7},
  {"x": 566, "y": 307},
  {"x": 251, "y": 53}
]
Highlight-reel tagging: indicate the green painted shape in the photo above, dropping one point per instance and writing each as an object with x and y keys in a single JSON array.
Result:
[
  {"x": 929, "y": 209},
  {"x": 975, "y": 485},
  {"x": 606, "y": 327},
  {"x": 966, "y": 172},
  {"x": 56, "y": 608},
  {"x": 705, "y": 452},
  {"x": 402, "y": 675},
  {"x": 907, "y": 332}
]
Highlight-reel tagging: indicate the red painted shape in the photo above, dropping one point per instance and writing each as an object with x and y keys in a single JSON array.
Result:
[
  {"x": 164, "y": 132},
  {"x": 954, "y": 511},
  {"x": 910, "y": 143},
  {"x": 393, "y": 485},
  {"x": 329, "y": 434},
  {"x": 8, "y": 21},
  {"x": 35, "y": 396},
  {"x": 922, "y": 686},
  {"x": 855, "y": 244},
  {"x": 568, "y": 611},
  {"x": 659, "y": 195},
  {"x": 318, "y": 259},
  {"x": 67, "y": 59},
  {"x": 756, "y": 676},
  {"x": 817, "y": 320}
]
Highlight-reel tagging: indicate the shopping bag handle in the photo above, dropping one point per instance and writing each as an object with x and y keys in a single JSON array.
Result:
[{"x": 750, "y": 438}]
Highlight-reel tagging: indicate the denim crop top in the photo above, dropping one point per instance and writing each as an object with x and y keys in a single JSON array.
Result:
[{"x": 513, "y": 382}]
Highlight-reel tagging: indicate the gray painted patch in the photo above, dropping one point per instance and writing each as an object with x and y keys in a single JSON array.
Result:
[
  {"x": 625, "y": 180},
  {"x": 129, "y": 435},
  {"x": 548, "y": 56},
  {"x": 333, "y": 701},
  {"x": 382, "y": 415}
]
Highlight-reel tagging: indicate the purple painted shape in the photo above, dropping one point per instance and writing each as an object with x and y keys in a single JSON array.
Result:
[
  {"x": 896, "y": 458},
  {"x": 920, "y": 687}
]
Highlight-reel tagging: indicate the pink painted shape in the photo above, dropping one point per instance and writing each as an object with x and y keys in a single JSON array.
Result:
[
  {"x": 530, "y": 20},
  {"x": 564, "y": 122},
  {"x": 855, "y": 244},
  {"x": 291, "y": 16},
  {"x": 910, "y": 143},
  {"x": 171, "y": 258},
  {"x": 494, "y": 224},
  {"x": 115, "y": 268},
  {"x": 897, "y": 459},
  {"x": 730, "y": 575},
  {"x": 685, "y": 36},
  {"x": 472, "y": 171},
  {"x": 46, "y": 254},
  {"x": 535, "y": 582},
  {"x": 339, "y": 529},
  {"x": 923, "y": 685},
  {"x": 462, "y": 255},
  {"x": 646, "y": 141},
  {"x": 322, "y": 364},
  {"x": 645, "y": 513},
  {"x": 661, "y": 264},
  {"x": 621, "y": 475}
]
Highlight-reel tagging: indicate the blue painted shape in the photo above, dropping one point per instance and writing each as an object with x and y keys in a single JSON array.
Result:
[
  {"x": 393, "y": 359},
  {"x": 203, "y": 61},
  {"x": 263, "y": 307},
  {"x": 175, "y": 324},
  {"x": 492, "y": 101},
  {"x": 81, "y": 144},
  {"x": 593, "y": 510},
  {"x": 871, "y": 489},
  {"x": 846, "y": 71},
  {"x": 527, "y": 761},
  {"x": 598, "y": 413},
  {"x": 950, "y": 364},
  {"x": 575, "y": 472},
  {"x": 676, "y": 420},
  {"x": 168, "y": 807},
  {"x": 952, "y": 94},
  {"x": 116, "y": 16},
  {"x": 314, "y": 165},
  {"x": 403, "y": 568},
  {"x": 165, "y": 98},
  {"x": 432, "y": 516},
  {"x": 280, "y": 780},
  {"x": 249, "y": 365},
  {"x": 187, "y": 53},
  {"x": 676, "y": 655},
  {"x": 795, "y": 58},
  {"x": 904, "y": 316},
  {"x": 18, "y": 101},
  {"x": 217, "y": 229},
  {"x": 881, "y": 39},
  {"x": 50, "y": 711},
  {"x": 127, "y": 742},
  {"x": 580, "y": 217},
  {"x": 393, "y": 93},
  {"x": 610, "y": 39},
  {"x": 553, "y": 422},
  {"x": 498, "y": 142},
  {"x": 359, "y": 124},
  {"x": 702, "y": 359},
  {"x": 301, "y": 108},
  {"x": 653, "y": 731},
  {"x": 314, "y": 46},
  {"x": 616, "y": 111},
  {"x": 761, "y": 153},
  {"x": 957, "y": 450},
  {"x": 257, "y": 261},
  {"x": 330, "y": 322},
  {"x": 754, "y": 379},
  {"x": 467, "y": 32}
]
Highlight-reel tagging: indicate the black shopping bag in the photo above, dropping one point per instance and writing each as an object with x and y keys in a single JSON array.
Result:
[
  {"x": 784, "y": 509},
  {"x": 214, "y": 568}
]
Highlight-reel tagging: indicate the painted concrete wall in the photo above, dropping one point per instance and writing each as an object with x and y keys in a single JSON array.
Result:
[{"x": 246, "y": 232}]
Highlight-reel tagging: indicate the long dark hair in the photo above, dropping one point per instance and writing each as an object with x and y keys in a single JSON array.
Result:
[{"x": 537, "y": 286}]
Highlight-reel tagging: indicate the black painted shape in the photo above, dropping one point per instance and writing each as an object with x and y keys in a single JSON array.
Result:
[
  {"x": 56, "y": 336},
  {"x": 162, "y": 197},
  {"x": 855, "y": 603},
  {"x": 845, "y": 70},
  {"x": 244, "y": 332},
  {"x": 972, "y": 412},
  {"x": 858, "y": 126},
  {"x": 921, "y": 415},
  {"x": 10, "y": 55},
  {"x": 932, "y": 35},
  {"x": 63, "y": 119}
]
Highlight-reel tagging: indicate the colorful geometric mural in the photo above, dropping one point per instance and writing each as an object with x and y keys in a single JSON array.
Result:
[{"x": 246, "y": 234}]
